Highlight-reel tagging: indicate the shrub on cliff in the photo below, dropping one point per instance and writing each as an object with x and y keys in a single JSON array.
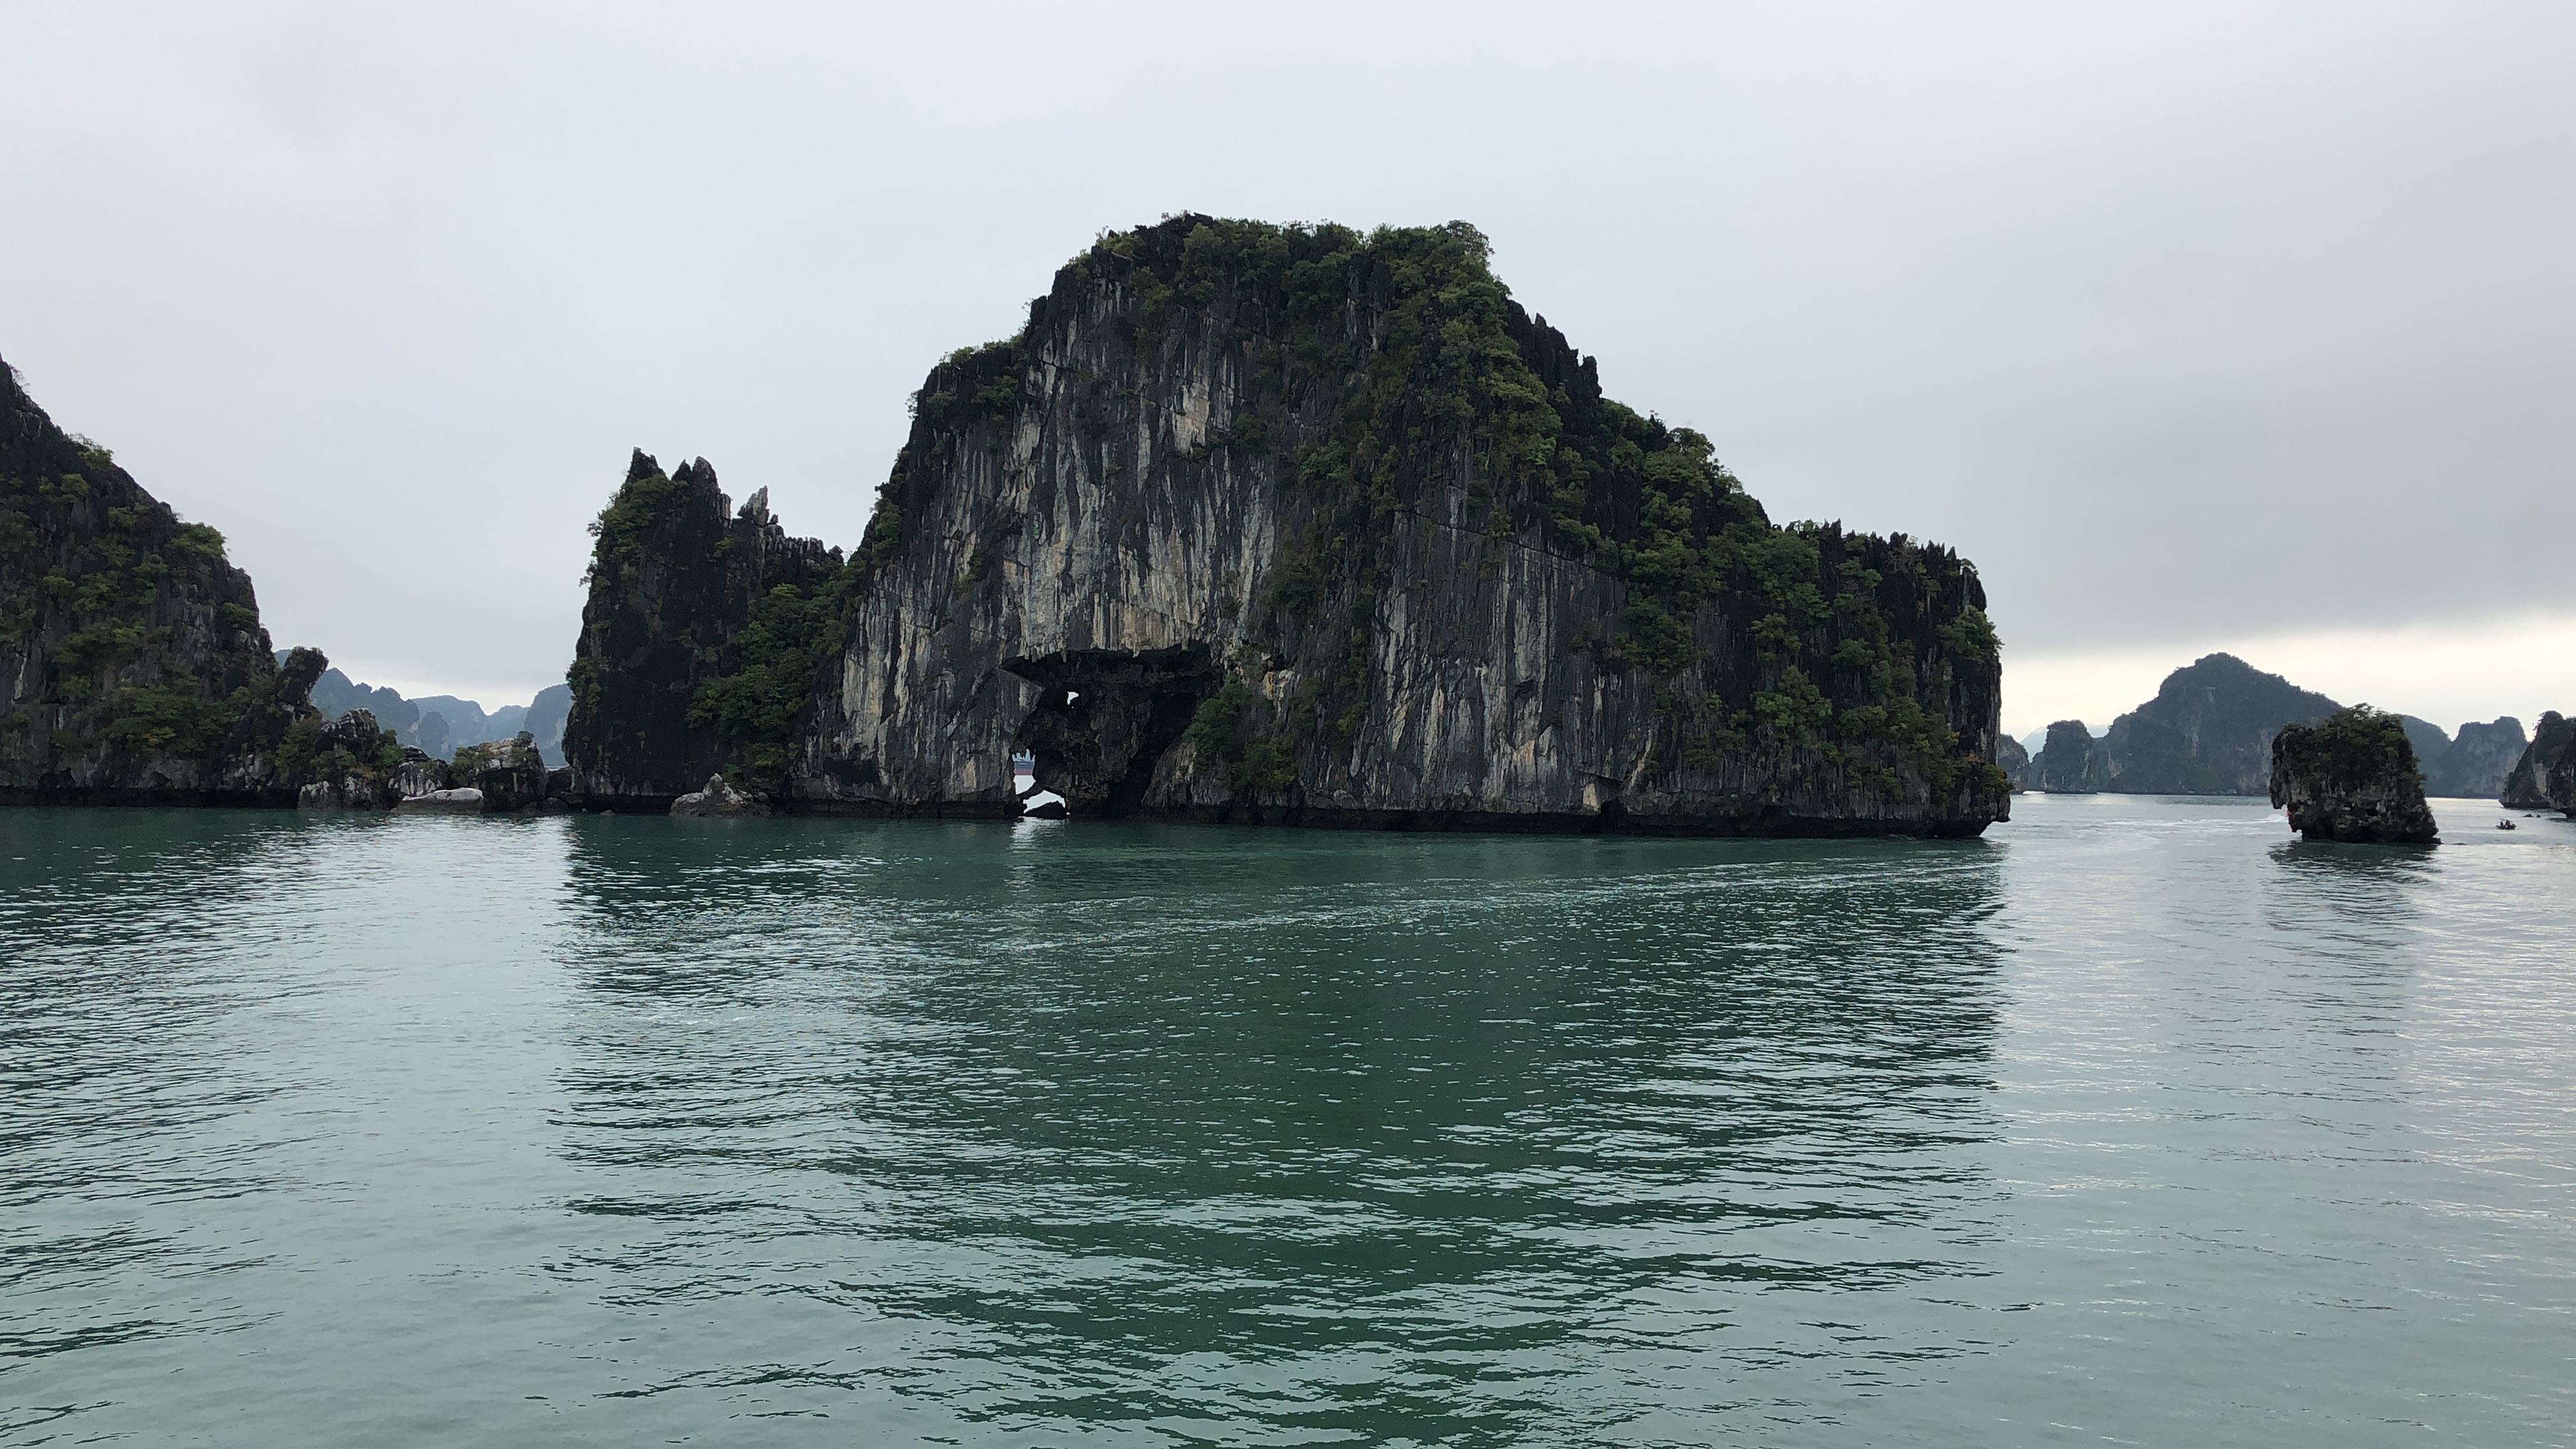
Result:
[{"x": 2352, "y": 777}]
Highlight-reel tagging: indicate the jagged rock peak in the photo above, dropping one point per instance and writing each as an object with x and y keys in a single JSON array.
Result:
[
  {"x": 678, "y": 582},
  {"x": 1295, "y": 524}
]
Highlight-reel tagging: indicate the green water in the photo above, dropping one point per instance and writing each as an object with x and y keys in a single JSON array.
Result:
[{"x": 2133, "y": 1122}]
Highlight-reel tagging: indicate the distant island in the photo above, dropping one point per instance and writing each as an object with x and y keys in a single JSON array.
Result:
[
  {"x": 2209, "y": 731},
  {"x": 441, "y": 724},
  {"x": 1260, "y": 524}
]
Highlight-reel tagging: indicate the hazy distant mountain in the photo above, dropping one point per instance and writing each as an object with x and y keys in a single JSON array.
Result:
[
  {"x": 335, "y": 694},
  {"x": 546, "y": 715},
  {"x": 442, "y": 724},
  {"x": 2208, "y": 731},
  {"x": 2475, "y": 765},
  {"x": 2072, "y": 761},
  {"x": 2014, "y": 761}
]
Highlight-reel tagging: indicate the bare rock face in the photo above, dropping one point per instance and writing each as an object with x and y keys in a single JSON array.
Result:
[
  {"x": 686, "y": 661},
  {"x": 2481, "y": 756},
  {"x": 2208, "y": 731},
  {"x": 466, "y": 801},
  {"x": 2551, "y": 753},
  {"x": 420, "y": 773},
  {"x": 718, "y": 801},
  {"x": 1292, "y": 525},
  {"x": 133, "y": 668},
  {"x": 348, "y": 763},
  {"x": 2352, "y": 777},
  {"x": 510, "y": 773},
  {"x": 2072, "y": 762},
  {"x": 2013, "y": 760}
]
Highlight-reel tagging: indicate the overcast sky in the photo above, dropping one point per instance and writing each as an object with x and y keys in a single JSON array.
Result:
[{"x": 2194, "y": 326}]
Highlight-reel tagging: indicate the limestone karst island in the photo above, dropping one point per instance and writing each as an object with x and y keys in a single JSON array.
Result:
[
  {"x": 1882, "y": 758},
  {"x": 1250, "y": 524}
]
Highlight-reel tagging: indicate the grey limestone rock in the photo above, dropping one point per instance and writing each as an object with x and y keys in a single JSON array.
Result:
[
  {"x": 420, "y": 773},
  {"x": 2352, "y": 777},
  {"x": 2478, "y": 760},
  {"x": 133, "y": 668},
  {"x": 2553, "y": 745},
  {"x": 2073, "y": 762},
  {"x": 718, "y": 801},
  {"x": 466, "y": 801},
  {"x": 511, "y": 773},
  {"x": 1296, "y": 526},
  {"x": 2013, "y": 760}
]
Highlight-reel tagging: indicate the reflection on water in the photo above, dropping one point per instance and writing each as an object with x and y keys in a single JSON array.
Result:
[
  {"x": 2132, "y": 1122},
  {"x": 1369, "y": 1137}
]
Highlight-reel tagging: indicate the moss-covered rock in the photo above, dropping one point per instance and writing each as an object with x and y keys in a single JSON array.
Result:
[
  {"x": 133, "y": 667},
  {"x": 2352, "y": 777},
  {"x": 2073, "y": 762},
  {"x": 1304, "y": 525},
  {"x": 703, "y": 642},
  {"x": 2551, "y": 753}
]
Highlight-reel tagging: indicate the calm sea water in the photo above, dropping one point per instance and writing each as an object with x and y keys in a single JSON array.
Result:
[{"x": 2134, "y": 1122}]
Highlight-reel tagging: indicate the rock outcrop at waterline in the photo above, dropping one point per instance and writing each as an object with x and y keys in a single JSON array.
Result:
[
  {"x": 2545, "y": 777},
  {"x": 1293, "y": 525},
  {"x": 2352, "y": 777},
  {"x": 2478, "y": 761},
  {"x": 2072, "y": 762},
  {"x": 685, "y": 660},
  {"x": 133, "y": 668}
]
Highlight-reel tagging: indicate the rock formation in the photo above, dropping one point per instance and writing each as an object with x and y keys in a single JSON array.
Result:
[
  {"x": 2014, "y": 761},
  {"x": 1292, "y": 525},
  {"x": 2072, "y": 762},
  {"x": 718, "y": 801},
  {"x": 2478, "y": 760},
  {"x": 2432, "y": 743},
  {"x": 510, "y": 774},
  {"x": 2352, "y": 777},
  {"x": 420, "y": 773},
  {"x": 2552, "y": 753},
  {"x": 545, "y": 721},
  {"x": 350, "y": 763},
  {"x": 133, "y": 668},
  {"x": 2208, "y": 731},
  {"x": 702, "y": 642},
  {"x": 442, "y": 724}
]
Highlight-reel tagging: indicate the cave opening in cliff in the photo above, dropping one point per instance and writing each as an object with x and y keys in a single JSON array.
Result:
[{"x": 1105, "y": 719}]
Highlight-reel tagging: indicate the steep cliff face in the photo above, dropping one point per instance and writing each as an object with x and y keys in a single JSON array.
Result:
[
  {"x": 2475, "y": 765},
  {"x": 701, "y": 642},
  {"x": 2072, "y": 762},
  {"x": 2551, "y": 754},
  {"x": 2208, "y": 731},
  {"x": 133, "y": 667},
  {"x": 1292, "y": 525},
  {"x": 2352, "y": 777},
  {"x": 2014, "y": 761}
]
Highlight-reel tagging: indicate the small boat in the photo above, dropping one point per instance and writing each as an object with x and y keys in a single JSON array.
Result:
[{"x": 2507, "y": 825}]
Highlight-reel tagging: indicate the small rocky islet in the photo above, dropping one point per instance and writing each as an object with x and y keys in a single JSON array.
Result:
[
  {"x": 2213, "y": 724},
  {"x": 2351, "y": 777},
  {"x": 1249, "y": 523}
]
